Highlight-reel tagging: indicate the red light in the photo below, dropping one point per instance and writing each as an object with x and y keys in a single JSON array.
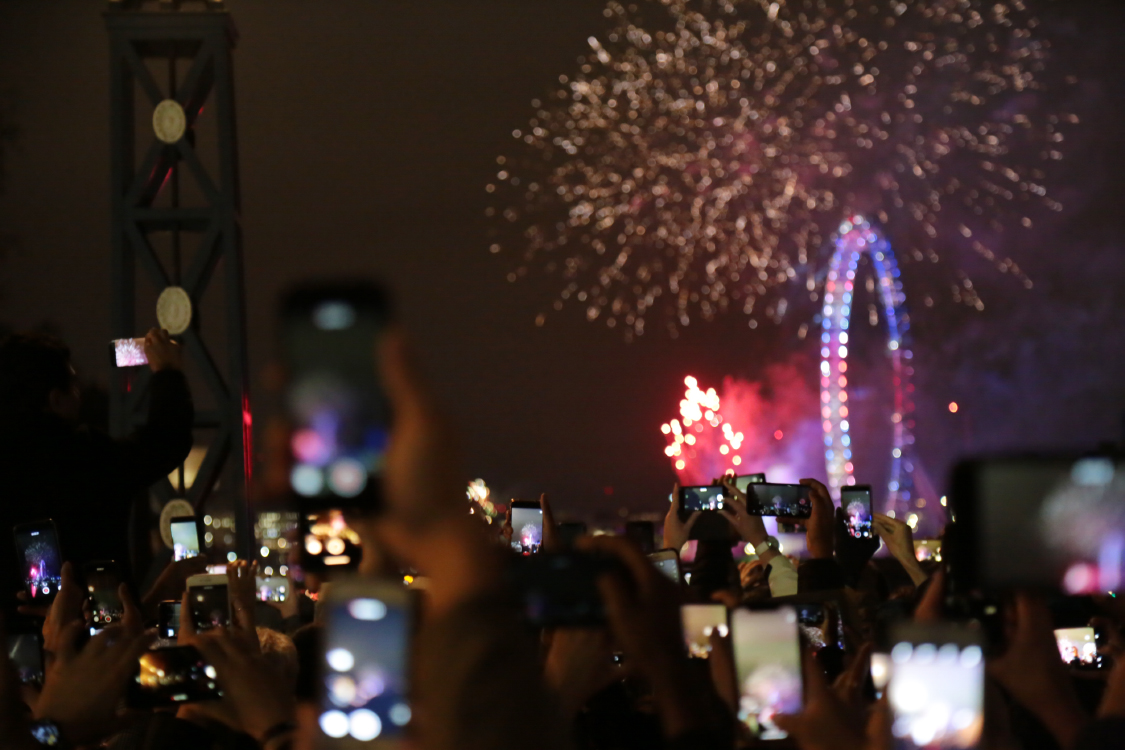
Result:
[
  {"x": 953, "y": 407},
  {"x": 778, "y": 435},
  {"x": 608, "y": 490}
]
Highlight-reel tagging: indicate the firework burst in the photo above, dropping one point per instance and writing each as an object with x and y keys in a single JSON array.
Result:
[{"x": 705, "y": 150}]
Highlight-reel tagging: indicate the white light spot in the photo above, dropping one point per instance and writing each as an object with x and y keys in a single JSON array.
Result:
[
  {"x": 340, "y": 659},
  {"x": 347, "y": 477},
  {"x": 400, "y": 714},
  {"x": 365, "y": 725},
  {"x": 306, "y": 480},
  {"x": 334, "y": 724},
  {"x": 367, "y": 609}
]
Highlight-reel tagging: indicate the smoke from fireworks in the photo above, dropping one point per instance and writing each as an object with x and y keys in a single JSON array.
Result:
[
  {"x": 750, "y": 427},
  {"x": 707, "y": 148}
]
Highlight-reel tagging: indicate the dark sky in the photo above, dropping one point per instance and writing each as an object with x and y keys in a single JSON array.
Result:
[{"x": 367, "y": 131}]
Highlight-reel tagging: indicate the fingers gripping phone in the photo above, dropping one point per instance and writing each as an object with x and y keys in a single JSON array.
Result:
[
  {"x": 102, "y": 581},
  {"x": 185, "y": 538},
  {"x": 365, "y": 664},
  {"x": 37, "y": 548},
  {"x": 339, "y": 412},
  {"x": 210, "y": 604},
  {"x": 767, "y": 659},
  {"x": 527, "y": 526},
  {"x": 936, "y": 687},
  {"x": 856, "y": 502},
  {"x": 129, "y": 352}
]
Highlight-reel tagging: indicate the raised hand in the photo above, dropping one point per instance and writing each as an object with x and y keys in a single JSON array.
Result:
[
  {"x": 82, "y": 688},
  {"x": 819, "y": 528},
  {"x": 676, "y": 531},
  {"x": 162, "y": 352},
  {"x": 1034, "y": 675},
  {"x": 750, "y": 527},
  {"x": 898, "y": 537},
  {"x": 826, "y": 723}
]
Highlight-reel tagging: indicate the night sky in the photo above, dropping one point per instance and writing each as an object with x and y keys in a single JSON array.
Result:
[{"x": 367, "y": 131}]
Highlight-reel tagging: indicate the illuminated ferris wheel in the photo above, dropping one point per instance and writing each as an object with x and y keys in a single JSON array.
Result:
[{"x": 856, "y": 238}]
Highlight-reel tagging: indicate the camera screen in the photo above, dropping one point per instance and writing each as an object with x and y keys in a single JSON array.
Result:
[
  {"x": 790, "y": 500},
  {"x": 272, "y": 588},
  {"x": 767, "y": 658},
  {"x": 26, "y": 655},
  {"x": 169, "y": 619},
  {"x": 527, "y": 530},
  {"x": 334, "y": 400},
  {"x": 707, "y": 497},
  {"x": 927, "y": 549},
  {"x": 105, "y": 606},
  {"x": 38, "y": 547},
  {"x": 209, "y": 606},
  {"x": 937, "y": 695},
  {"x": 699, "y": 622},
  {"x": 1078, "y": 647},
  {"x": 129, "y": 352},
  {"x": 1051, "y": 522},
  {"x": 857, "y": 512},
  {"x": 669, "y": 566},
  {"x": 177, "y": 674},
  {"x": 330, "y": 542},
  {"x": 185, "y": 539},
  {"x": 365, "y": 670}
]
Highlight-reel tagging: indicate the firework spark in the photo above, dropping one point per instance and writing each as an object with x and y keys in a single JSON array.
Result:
[{"x": 706, "y": 149}]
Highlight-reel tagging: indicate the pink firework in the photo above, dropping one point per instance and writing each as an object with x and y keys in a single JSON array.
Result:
[{"x": 750, "y": 427}]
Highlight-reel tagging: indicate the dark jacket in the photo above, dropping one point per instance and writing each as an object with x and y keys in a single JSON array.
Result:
[{"x": 85, "y": 480}]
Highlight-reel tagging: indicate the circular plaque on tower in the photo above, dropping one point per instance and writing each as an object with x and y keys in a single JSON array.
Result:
[
  {"x": 169, "y": 121},
  {"x": 173, "y": 310}
]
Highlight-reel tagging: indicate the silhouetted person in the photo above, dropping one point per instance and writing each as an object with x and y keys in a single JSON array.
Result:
[{"x": 52, "y": 468}]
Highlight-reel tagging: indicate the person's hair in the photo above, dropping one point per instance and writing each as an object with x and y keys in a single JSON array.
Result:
[
  {"x": 31, "y": 366},
  {"x": 280, "y": 653}
]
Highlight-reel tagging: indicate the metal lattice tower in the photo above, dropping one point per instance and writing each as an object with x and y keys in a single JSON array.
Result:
[{"x": 176, "y": 226}]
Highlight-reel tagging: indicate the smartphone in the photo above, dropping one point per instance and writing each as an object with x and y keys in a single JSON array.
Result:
[
  {"x": 185, "y": 538},
  {"x": 927, "y": 549},
  {"x": 365, "y": 665},
  {"x": 700, "y": 497},
  {"x": 25, "y": 652},
  {"x": 1078, "y": 648},
  {"x": 340, "y": 415},
  {"x": 569, "y": 531},
  {"x": 641, "y": 533},
  {"x": 210, "y": 605},
  {"x": 856, "y": 502},
  {"x": 814, "y": 624},
  {"x": 527, "y": 526},
  {"x": 699, "y": 622},
  {"x": 168, "y": 618},
  {"x": 745, "y": 480},
  {"x": 37, "y": 549},
  {"x": 171, "y": 676},
  {"x": 936, "y": 687},
  {"x": 767, "y": 657},
  {"x": 560, "y": 589},
  {"x": 272, "y": 588},
  {"x": 102, "y": 580},
  {"x": 668, "y": 562},
  {"x": 329, "y": 543},
  {"x": 129, "y": 352},
  {"x": 789, "y": 500},
  {"x": 1045, "y": 522}
]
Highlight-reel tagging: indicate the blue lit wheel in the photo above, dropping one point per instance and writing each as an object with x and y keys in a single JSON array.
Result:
[{"x": 857, "y": 237}]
